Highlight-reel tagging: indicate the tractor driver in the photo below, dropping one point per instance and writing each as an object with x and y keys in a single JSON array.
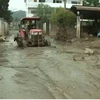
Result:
[{"x": 30, "y": 26}]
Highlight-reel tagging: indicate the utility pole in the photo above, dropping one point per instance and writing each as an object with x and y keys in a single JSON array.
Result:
[
  {"x": 65, "y": 1},
  {"x": 78, "y": 25}
]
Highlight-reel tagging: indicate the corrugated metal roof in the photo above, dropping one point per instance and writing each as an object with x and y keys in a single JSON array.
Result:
[
  {"x": 86, "y": 8},
  {"x": 87, "y": 12}
]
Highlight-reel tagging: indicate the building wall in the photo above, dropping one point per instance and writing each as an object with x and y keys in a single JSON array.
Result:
[
  {"x": 51, "y": 1},
  {"x": 31, "y": 5}
]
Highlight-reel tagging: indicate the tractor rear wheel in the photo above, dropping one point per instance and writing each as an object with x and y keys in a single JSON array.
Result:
[{"x": 47, "y": 43}]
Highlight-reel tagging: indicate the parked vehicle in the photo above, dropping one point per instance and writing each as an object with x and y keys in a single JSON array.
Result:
[{"x": 30, "y": 34}]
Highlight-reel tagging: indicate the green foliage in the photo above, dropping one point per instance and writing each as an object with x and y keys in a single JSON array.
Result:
[
  {"x": 4, "y": 12},
  {"x": 8, "y": 16},
  {"x": 91, "y": 2},
  {"x": 63, "y": 18},
  {"x": 65, "y": 21},
  {"x": 17, "y": 15},
  {"x": 44, "y": 12}
]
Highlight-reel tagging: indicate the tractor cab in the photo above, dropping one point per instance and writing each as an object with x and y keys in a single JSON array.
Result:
[{"x": 29, "y": 23}]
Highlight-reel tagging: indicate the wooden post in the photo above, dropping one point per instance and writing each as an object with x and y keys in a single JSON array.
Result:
[
  {"x": 47, "y": 27},
  {"x": 78, "y": 25},
  {"x": 1, "y": 26}
]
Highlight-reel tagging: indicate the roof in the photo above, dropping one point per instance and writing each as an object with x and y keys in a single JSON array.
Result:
[
  {"x": 87, "y": 12},
  {"x": 31, "y": 18}
]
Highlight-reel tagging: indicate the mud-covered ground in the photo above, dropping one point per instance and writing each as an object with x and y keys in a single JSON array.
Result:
[{"x": 60, "y": 71}]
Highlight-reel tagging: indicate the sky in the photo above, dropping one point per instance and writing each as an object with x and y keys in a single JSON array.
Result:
[{"x": 15, "y": 5}]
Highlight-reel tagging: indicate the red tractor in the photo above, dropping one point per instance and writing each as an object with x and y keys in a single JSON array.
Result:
[{"x": 30, "y": 34}]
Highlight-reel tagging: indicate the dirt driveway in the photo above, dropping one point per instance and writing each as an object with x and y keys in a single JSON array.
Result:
[{"x": 59, "y": 71}]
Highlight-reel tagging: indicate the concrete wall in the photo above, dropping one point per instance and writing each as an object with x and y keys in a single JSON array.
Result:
[
  {"x": 4, "y": 28},
  {"x": 44, "y": 27},
  {"x": 1, "y": 26}
]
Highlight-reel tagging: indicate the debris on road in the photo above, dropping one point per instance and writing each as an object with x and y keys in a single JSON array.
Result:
[
  {"x": 78, "y": 58},
  {"x": 86, "y": 39},
  {"x": 3, "y": 60},
  {"x": 1, "y": 77},
  {"x": 74, "y": 40},
  {"x": 2, "y": 39},
  {"x": 88, "y": 51}
]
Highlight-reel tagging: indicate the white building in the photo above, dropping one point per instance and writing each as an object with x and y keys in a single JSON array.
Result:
[{"x": 32, "y": 4}]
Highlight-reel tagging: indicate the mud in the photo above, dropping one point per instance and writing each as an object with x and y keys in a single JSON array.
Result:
[{"x": 56, "y": 72}]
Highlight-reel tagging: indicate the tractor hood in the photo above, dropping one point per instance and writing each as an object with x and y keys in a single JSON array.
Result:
[{"x": 35, "y": 30}]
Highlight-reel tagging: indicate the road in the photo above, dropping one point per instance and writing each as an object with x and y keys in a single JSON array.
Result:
[{"x": 56, "y": 72}]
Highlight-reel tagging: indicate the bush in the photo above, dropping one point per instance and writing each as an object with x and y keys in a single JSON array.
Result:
[{"x": 63, "y": 19}]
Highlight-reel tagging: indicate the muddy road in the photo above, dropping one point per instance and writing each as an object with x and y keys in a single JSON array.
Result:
[{"x": 48, "y": 72}]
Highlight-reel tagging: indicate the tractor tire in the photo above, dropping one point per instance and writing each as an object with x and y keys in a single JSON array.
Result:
[
  {"x": 20, "y": 42},
  {"x": 29, "y": 44},
  {"x": 47, "y": 43}
]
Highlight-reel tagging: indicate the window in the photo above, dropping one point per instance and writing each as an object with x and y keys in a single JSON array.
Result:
[
  {"x": 41, "y": 0},
  {"x": 33, "y": 11},
  {"x": 35, "y": 0},
  {"x": 75, "y": 2},
  {"x": 57, "y": 1}
]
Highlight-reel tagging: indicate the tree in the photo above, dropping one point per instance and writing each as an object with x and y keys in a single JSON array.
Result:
[
  {"x": 91, "y": 3},
  {"x": 44, "y": 12},
  {"x": 63, "y": 18},
  {"x": 4, "y": 12}
]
